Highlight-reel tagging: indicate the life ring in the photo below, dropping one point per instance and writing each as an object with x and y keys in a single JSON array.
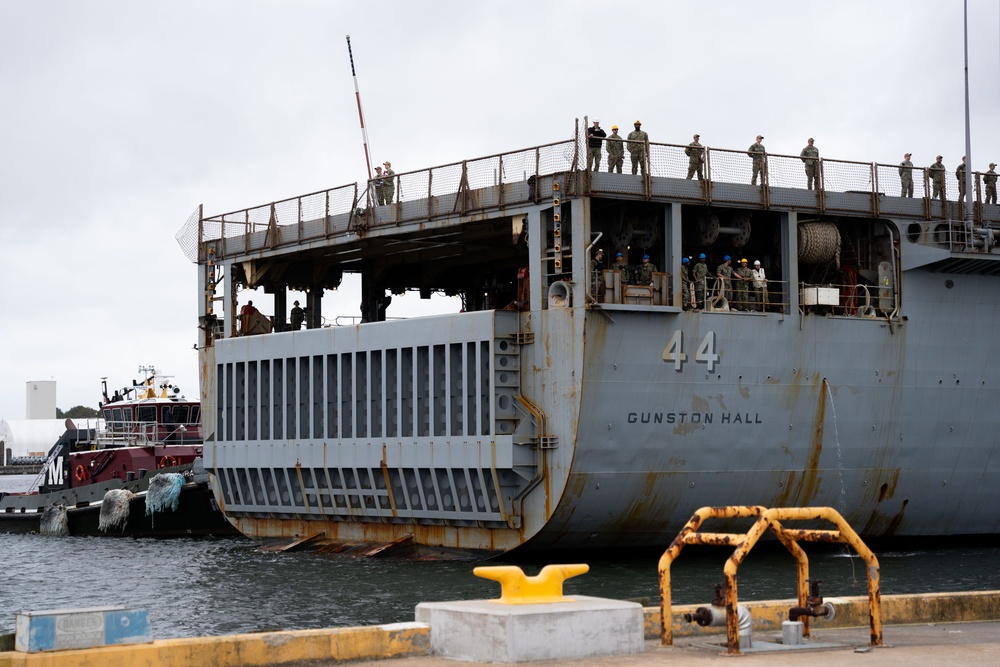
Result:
[
  {"x": 168, "y": 462},
  {"x": 80, "y": 473}
]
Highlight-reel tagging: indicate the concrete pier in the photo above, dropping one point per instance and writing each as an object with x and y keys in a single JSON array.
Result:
[{"x": 938, "y": 628}]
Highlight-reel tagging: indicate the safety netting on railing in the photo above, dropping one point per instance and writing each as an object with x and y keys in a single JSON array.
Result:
[
  {"x": 187, "y": 236},
  {"x": 728, "y": 166},
  {"x": 891, "y": 179},
  {"x": 495, "y": 180}
]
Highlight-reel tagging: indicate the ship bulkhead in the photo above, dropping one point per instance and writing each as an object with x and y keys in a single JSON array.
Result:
[{"x": 585, "y": 399}]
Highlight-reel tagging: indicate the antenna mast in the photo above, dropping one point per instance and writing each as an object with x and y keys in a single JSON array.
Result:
[{"x": 361, "y": 115}]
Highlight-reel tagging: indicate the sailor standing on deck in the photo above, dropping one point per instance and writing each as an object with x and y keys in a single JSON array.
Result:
[
  {"x": 758, "y": 153},
  {"x": 990, "y": 181},
  {"x": 759, "y": 287},
  {"x": 687, "y": 294},
  {"x": 388, "y": 185},
  {"x": 937, "y": 171},
  {"x": 960, "y": 175},
  {"x": 637, "y": 140},
  {"x": 622, "y": 268},
  {"x": 595, "y": 139},
  {"x": 696, "y": 158},
  {"x": 616, "y": 151},
  {"x": 597, "y": 273},
  {"x": 296, "y": 317},
  {"x": 742, "y": 276},
  {"x": 724, "y": 272},
  {"x": 644, "y": 272},
  {"x": 810, "y": 155},
  {"x": 700, "y": 281},
  {"x": 377, "y": 186},
  {"x": 906, "y": 176}
]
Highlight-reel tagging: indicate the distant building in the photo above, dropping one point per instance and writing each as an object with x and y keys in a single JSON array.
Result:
[
  {"x": 40, "y": 400},
  {"x": 28, "y": 437}
]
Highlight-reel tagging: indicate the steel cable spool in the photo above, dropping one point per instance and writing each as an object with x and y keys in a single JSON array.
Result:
[{"x": 819, "y": 243}]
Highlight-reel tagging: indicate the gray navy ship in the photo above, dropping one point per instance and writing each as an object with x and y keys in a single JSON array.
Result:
[{"x": 572, "y": 403}]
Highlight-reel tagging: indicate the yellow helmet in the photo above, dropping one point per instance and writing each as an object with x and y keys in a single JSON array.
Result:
[
  {"x": 638, "y": 122},
  {"x": 743, "y": 261},
  {"x": 614, "y": 127}
]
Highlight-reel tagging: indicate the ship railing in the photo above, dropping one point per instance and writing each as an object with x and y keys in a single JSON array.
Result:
[
  {"x": 143, "y": 433},
  {"x": 459, "y": 188},
  {"x": 772, "y": 296},
  {"x": 503, "y": 179},
  {"x": 839, "y": 185},
  {"x": 959, "y": 236},
  {"x": 517, "y": 177},
  {"x": 235, "y": 232}
]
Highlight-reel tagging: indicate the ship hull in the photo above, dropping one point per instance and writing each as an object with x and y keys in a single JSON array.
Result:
[
  {"x": 761, "y": 409},
  {"x": 847, "y": 413}
]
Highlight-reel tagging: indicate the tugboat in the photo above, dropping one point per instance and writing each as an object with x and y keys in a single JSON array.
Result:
[{"x": 137, "y": 471}]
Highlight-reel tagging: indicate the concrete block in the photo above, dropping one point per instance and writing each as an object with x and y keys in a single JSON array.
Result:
[
  {"x": 484, "y": 631},
  {"x": 60, "y": 629}
]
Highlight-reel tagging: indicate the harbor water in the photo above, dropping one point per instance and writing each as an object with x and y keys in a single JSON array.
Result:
[{"x": 223, "y": 586}]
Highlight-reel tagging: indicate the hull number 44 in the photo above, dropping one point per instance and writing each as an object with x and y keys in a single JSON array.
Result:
[{"x": 706, "y": 354}]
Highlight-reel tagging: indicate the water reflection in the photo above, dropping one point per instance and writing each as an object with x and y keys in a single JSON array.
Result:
[{"x": 212, "y": 587}]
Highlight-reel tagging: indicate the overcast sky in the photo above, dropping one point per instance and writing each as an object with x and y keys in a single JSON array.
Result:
[{"x": 117, "y": 119}]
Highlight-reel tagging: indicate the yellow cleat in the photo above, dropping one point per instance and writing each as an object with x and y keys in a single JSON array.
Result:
[{"x": 516, "y": 588}]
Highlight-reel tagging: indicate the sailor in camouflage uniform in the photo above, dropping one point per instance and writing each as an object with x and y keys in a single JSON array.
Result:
[
  {"x": 637, "y": 140},
  {"x": 595, "y": 140},
  {"x": 990, "y": 181},
  {"x": 686, "y": 292},
  {"x": 758, "y": 154},
  {"x": 724, "y": 272},
  {"x": 377, "y": 186},
  {"x": 644, "y": 272},
  {"x": 622, "y": 268},
  {"x": 937, "y": 172},
  {"x": 906, "y": 176},
  {"x": 696, "y": 158},
  {"x": 960, "y": 176},
  {"x": 742, "y": 276},
  {"x": 700, "y": 281},
  {"x": 616, "y": 151},
  {"x": 810, "y": 155},
  {"x": 389, "y": 184}
]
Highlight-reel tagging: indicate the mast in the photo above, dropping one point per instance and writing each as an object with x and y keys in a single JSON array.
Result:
[{"x": 361, "y": 115}]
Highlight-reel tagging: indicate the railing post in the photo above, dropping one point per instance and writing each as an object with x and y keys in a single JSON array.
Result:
[
  {"x": 820, "y": 186},
  {"x": 927, "y": 195},
  {"x": 978, "y": 206},
  {"x": 875, "y": 189},
  {"x": 298, "y": 231},
  {"x": 707, "y": 173},
  {"x": 326, "y": 213},
  {"x": 538, "y": 162},
  {"x": 201, "y": 229},
  {"x": 500, "y": 197}
]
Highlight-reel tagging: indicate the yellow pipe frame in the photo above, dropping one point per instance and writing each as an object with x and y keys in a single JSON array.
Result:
[
  {"x": 767, "y": 519},
  {"x": 544, "y": 587}
]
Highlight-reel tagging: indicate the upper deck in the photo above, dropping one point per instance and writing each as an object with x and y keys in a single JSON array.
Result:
[
  {"x": 459, "y": 192},
  {"x": 479, "y": 228}
]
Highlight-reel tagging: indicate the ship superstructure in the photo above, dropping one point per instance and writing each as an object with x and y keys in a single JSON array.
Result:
[{"x": 571, "y": 404}]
